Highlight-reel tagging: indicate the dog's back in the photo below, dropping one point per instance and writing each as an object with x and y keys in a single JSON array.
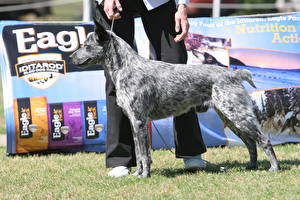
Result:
[
  {"x": 148, "y": 89},
  {"x": 172, "y": 89}
]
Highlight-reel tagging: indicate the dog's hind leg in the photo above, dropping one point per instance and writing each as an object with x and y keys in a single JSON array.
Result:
[
  {"x": 236, "y": 110},
  {"x": 265, "y": 144},
  {"x": 248, "y": 131},
  {"x": 252, "y": 149},
  {"x": 248, "y": 141}
]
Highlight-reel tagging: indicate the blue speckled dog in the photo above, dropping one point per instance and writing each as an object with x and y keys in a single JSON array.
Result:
[{"x": 150, "y": 90}]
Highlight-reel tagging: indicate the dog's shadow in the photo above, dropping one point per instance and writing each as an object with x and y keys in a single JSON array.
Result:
[{"x": 224, "y": 167}]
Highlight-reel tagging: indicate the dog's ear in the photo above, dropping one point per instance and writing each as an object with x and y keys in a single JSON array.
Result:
[
  {"x": 100, "y": 17},
  {"x": 100, "y": 32}
]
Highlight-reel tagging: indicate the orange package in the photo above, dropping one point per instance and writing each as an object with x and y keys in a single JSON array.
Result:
[{"x": 31, "y": 124}]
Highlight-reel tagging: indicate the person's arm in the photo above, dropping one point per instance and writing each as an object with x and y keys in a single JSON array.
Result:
[{"x": 181, "y": 20}]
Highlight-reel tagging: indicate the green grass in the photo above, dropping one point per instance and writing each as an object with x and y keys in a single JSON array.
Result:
[
  {"x": 67, "y": 12},
  {"x": 83, "y": 176},
  {"x": 72, "y": 11}
]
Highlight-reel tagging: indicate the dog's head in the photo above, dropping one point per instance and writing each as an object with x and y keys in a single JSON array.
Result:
[{"x": 94, "y": 48}]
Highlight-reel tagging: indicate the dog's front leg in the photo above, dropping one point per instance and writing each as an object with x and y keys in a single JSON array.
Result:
[{"x": 141, "y": 141}]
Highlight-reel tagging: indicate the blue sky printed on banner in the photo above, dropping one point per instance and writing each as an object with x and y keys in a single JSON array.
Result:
[{"x": 277, "y": 33}]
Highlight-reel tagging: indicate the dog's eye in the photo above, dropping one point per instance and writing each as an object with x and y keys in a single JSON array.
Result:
[
  {"x": 88, "y": 48},
  {"x": 96, "y": 38}
]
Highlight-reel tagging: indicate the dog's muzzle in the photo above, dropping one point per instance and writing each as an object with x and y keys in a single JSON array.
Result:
[{"x": 82, "y": 65}]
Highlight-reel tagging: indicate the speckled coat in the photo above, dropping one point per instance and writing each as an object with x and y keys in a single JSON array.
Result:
[{"x": 148, "y": 90}]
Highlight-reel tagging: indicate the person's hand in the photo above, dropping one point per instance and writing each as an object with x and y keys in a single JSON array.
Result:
[
  {"x": 181, "y": 22},
  {"x": 112, "y": 9}
]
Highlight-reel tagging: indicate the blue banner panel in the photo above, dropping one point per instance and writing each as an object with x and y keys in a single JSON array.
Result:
[
  {"x": 52, "y": 105},
  {"x": 46, "y": 98}
]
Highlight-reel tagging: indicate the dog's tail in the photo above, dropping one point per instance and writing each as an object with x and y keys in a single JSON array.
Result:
[{"x": 245, "y": 75}]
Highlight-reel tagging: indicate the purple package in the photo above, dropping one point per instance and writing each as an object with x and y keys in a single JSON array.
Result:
[{"x": 65, "y": 125}]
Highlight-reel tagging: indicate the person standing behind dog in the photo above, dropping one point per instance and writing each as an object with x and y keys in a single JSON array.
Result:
[{"x": 166, "y": 26}]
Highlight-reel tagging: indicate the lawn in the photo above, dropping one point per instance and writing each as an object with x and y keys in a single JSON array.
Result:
[
  {"x": 67, "y": 12},
  {"x": 83, "y": 176}
]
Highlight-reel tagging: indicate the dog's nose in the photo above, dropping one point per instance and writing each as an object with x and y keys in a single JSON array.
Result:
[{"x": 70, "y": 59}]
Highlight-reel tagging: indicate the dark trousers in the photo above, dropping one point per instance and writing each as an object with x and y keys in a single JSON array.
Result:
[{"x": 159, "y": 25}]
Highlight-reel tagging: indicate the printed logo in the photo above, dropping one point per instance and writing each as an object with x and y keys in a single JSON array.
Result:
[
  {"x": 24, "y": 117},
  {"x": 90, "y": 120},
  {"x": 24, "y": 120},
  {"x": 41, "y": 70},
  {"x": 56, "y": 121},
  {"x": 30, "y": 40}
]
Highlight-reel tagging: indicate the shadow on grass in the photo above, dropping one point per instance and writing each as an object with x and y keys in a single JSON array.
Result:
[
  {"x": 65, "y": 152},
  {"x": 263, "y": 165}
]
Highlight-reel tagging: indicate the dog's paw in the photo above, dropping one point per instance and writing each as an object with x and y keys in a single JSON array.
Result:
[
  {"x": 141, "y": 175},
  {"x": 137, "y": 173},
  {"x": 144, "y": 176},
  {"x": 274, "y": 169}
]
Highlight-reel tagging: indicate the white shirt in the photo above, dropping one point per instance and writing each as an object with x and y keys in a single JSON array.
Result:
[{"x": 151, "y": 4}]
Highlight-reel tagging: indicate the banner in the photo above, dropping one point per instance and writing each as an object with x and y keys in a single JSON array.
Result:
[
  {"x": 51, "y": 105},
  {"x": 268, "y": 47}
]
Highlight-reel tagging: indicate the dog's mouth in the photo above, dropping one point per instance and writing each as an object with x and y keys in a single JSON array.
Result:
[{"x": 84, "y": 64}]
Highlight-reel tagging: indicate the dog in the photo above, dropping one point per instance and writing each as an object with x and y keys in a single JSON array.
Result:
[{"x": 150, "y": 90}]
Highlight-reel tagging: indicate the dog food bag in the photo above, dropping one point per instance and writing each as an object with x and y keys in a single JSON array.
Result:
[
  {"x": 65, "y": 125},
  {"x": 94, "y": 123},
  {"x": 31, "y": 124}
]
